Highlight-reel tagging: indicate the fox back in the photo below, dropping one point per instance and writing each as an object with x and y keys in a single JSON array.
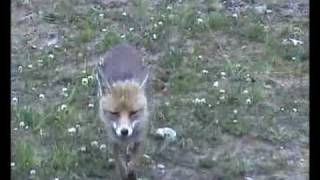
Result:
[{"x": 122, "y": 78}]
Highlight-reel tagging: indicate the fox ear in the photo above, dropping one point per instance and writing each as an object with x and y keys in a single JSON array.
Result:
[
  {"x": 143, "y": 83},
  {"x": 102, "y": 83}
]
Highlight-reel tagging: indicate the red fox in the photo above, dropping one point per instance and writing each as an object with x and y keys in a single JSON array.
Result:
[{"x": 123, "y": 108}]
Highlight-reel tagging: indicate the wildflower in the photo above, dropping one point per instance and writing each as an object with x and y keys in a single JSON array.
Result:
[
  {"x": 56, "y": 178},
  {"x": 90, "y": 105},
  {"x": 222, "y": 97},
  {"x": 32, "y": 172},
  {"x": 234, "y": 15},
  {"x": 248, "y": 101},
  {"x": 124, "y": 14},
  {"x": 110, "y": 160},
  {"x": 154, "y": 36},
  {"x": 160, "y": 166},
  {"x": 131, "y": 29},
  {"x": 235, "y": 121},
  {"x": 83, "y": 149},
  {"x": 21, "y": 124},
  {"x": 63, "y": 107},
  {"x": 41, "y": 96},
  {"x": 51, "y": 56},
  {"x": 235, "y": 111},
  {"x": 101, "y": 14},
  {"x": 64, "y": 89},
  {"x": 209, "y": 105},
  {"x": 295, "y": 42},
  {"x": 90, "y": 77},
  {"x": 294, "y": 58},
  {"x": 102, "y": 147},
  {"x": 20, "y": 68},
  {"x": 15, "y": 100},
  {"x": 294, "y": 110},
  {"x": 94, "y": 143},
  {"x": 12, "y": 164},
  {"x": 104, "y": 30},
  {"x": 84, "y": 81},
  {"x": 151, "y": 18},
  {"x": 217, "y": 121},
  {"x": 245, "y": 91},
  {"x": 200, "y": 20},
  {"x": 167, "y": 103},
  {"x": 27, "y": 127},
  {"x": 216, "y": 84},
  {"x": 199, "y": 101},
  {"x": 160, "y": 23},
  {"x": 122, "y": 36},
  {"x": 200, "y": 57},
  {"x": 282, "y": 109},
  {"x": 223, "y": 73},
  {"x": 169, "y": 7},
  {"x": 222, "y": 91},
  {"x": 78, "y": 126},
  {"x": 72, "y": 130},
  {"x": 205, "y": 71},
  {"x": 30, "y": 66}
]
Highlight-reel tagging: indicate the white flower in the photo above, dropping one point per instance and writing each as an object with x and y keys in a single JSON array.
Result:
[
  {"x": 72, "y": 130},
  {"x": 32, "y": 172},
  {"x": 248, "y": 178},
  {"x": 104, "y": 30},
  {"x": 199, "y": 101},
  {"x": 102, "y": 146},
  {"x": 295, "y": 42},
  {"x": 21, "y": 124},
  {"x": 124, "y": 14},
  {"x": 294, "y": 110},
  {"x": 294, "y": 58},
  {"x": 110, "y": 160},
  {"x": 160, "y": 166},
  {"x": 131, "y": 29},
  {"x": 78, "y": 126},
  {"x": 122, "y": 36},
  {"x": 209, "y": 105},
  {"x": 205, "y": 71},
  {"x": 200, "y": 20},
  {"x": 235, "y": 121},
  {"x": 234, "y": 15},
  {"x": 222, "y": 97},
  {"x": 41, "y": 132},
  {"x": 200, "y": 57},
  {"x": 222, "y": 91},
  {"x": 41, "y": 96},
  {"x": 154, "y": 36},
  {"x": 167, "y": 103},
  {"x": 64, "y": 89},
  {"x": 223, "y": 73},
  {"x": 155, "y": 25},
  {"x": 83, "y": 71},
  {"x": 216, "y": 84},
  {"x": 169, "y": 7},
  {"x": 160, "y": 23},
  {"x": 63, "y": 107},
  {"x": 20, "y": 68},
  {"x": 27, "y": 127},
  {"x": 14, "y": 99},
  {"x": 12, "y": 164},
  {"x": 51, "y": 56},
  {"x": 282, "y": 109},
  {"x": 151, "y": 18},
  {"x": 15, "y": 129},
  {"x": 84, "y": 81},
  {"x": 56, "y": 178},
  {"x": 30, "y": 66},
  {"x": 245, "y": 91},
  {"x": 83, "y": 149},
  {"x": 90, "y": 105},
  {"x": 101, "y": 14},
  {"x": 235, "y": 111},
  {"x": 94, "y": 143},
  {"x": 238, "y": 65},
  {"x": 217, "y": 121},
  {"x": 90, "y": 77},
  {"x": 248, "y": 101}
]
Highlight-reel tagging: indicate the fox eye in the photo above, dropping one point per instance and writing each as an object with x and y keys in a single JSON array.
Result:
[
  {"x": 133, "y": 114},
  {"x": 112, "y": 114}
]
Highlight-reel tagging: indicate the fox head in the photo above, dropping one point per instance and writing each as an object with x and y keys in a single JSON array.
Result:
[{"x": 121, "y": 80}]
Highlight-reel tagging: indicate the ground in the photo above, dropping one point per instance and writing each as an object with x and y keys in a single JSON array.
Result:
[{"x": 230, "y": 77}]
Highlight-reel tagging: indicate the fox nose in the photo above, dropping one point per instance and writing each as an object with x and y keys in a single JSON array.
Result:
[{"x": 124, "y": 132}]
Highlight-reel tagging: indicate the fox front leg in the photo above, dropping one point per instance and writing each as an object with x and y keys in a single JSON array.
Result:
[
  {"x": 135, "y": 156},
  {"x": 121, "y": 165}
]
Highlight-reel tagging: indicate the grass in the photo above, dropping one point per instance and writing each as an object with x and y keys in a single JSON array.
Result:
[{"x": 228, "y": 86}]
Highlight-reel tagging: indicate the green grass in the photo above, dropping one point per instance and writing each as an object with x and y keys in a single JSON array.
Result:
[{"x": 238, "y": 121}]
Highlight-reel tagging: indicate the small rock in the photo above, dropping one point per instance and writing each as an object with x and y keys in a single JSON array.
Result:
[{"x": 166, "y": 133}]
